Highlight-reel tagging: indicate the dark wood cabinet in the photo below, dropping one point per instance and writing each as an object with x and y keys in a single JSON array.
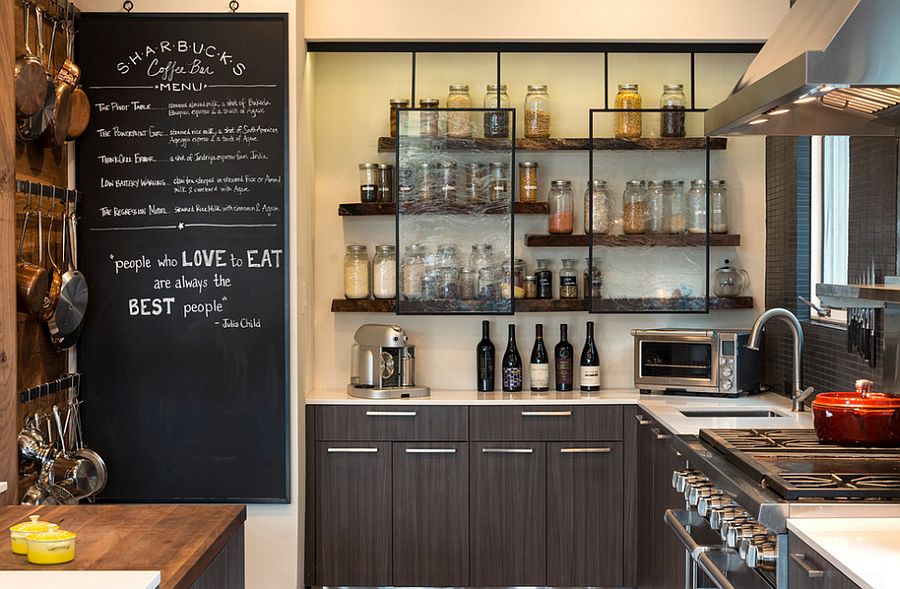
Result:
[
  {"x": 584, "y": 514},
  {"x": 431, "y": 514},
  {"x": 807, "y": 569},
  {"x": 508, "y": 495},
  {"x": 392, "y": 423},
  {"x": 545, "y": 423},
  {"x": 353, "y": 513}
]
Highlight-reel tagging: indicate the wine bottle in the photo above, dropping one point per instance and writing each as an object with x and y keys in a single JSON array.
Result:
[
  {"x": 563, "y": 358},
  {"x": 540, "y": 363},
  {"x": 512, "y": 365},
  {"x": 590, "y": 362},
  {"x": 485, "y": 359}
]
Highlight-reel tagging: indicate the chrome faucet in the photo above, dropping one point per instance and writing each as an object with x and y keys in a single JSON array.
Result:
[{"x": 798, "y": 394}]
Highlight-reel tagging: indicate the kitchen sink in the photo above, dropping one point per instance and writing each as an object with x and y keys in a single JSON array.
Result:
[{"x": 754, "y": 413}]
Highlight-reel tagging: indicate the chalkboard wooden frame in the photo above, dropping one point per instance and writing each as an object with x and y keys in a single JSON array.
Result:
[{"x": 281, "y": 494}]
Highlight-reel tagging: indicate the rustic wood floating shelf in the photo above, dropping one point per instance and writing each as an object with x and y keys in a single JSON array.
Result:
[
  {"x": 647, "y": 239},
  {"x": 359, "y": 209},
  {"x": 569, "y": 305},
  {"x": 389, "y": 144}
]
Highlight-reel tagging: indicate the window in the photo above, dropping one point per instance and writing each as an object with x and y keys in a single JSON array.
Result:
[{"x": 829, "y": 217}]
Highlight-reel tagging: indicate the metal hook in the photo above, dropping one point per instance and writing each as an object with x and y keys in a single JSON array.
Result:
[
  {"x": 233, "y": 5},
  {"x": 128, "y": 5}
]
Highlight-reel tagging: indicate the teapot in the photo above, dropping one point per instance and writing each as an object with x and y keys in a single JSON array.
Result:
[{"x": 730, "y": 282}]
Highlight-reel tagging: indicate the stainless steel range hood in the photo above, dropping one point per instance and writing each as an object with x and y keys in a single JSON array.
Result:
[{"x": 831, "y": 67}]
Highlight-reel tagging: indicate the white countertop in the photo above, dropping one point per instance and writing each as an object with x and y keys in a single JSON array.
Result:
[
  {"x": 79, "y": 579},
  {"x": 3, "y": 487},
  {"x": 864, "y": 549}
]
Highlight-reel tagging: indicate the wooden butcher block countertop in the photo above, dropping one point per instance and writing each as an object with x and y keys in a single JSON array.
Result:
[{"x": 180, "y": 541}]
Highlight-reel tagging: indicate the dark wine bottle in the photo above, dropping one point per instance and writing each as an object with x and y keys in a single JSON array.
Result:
[
  {"x": 564, "y": 359},
  {"x": 512, "y": 365},
  {"x": 485, "y": 358},
  {"x": 540, "y": 362},
  {"x": 590, "y": 362}
]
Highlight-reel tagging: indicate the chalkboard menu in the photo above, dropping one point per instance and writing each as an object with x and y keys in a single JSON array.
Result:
[{"x": 183, "y": 241}]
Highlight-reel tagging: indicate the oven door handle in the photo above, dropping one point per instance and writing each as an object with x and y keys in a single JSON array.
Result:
[
  {"x": 678, "y": 521},
  {"x": 712, "y": 571}
]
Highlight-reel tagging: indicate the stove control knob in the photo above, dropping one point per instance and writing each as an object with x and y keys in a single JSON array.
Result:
[
  {"x": 727, "y": 372},
  {"x": 693, "y": 479},
  {"x": 736, "y": 534},
  {"x": 706, "y": 504},
  {"x": 757, "y": 536},
  {"x": 691, "y": 488},
  {"x": 729, "y": 525},
  {"x": 697, "y": 494},
  {"x": 679, "y": 477},
  {"x": 721, "y": 515},
  {"x": 763, "y": 555}
]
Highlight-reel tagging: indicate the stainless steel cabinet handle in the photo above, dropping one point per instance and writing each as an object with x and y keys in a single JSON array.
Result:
[
  {"x": 585, "y": 450},
  {"x": 718, "y": 577},
  {"x": 800, "y": 559},
  {"x": 642, "y": 421},
  {"x": 659, "y": 434},
  {"x": 507, "y": 450},
  {"x": 391, "y": 413},
  {"x": 353, "y": 450},
  {"x": 431, "y": 450},
  {"x": 546, "y": 413}
]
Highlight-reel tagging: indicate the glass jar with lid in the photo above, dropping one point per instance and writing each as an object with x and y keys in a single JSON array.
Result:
[
  {"x": 356, "y": 272},
  {"x": 468, "y": 284},
  {"x": 697, "y": 206},
  {"x": 446, "y": 256},
  {"x": 447, "y": 181},
  {"x": 657, "y": 209},
  {"x": 634, "y": 207},
  {"x": 593, "y": 279},
  {"x": 561, "y": 203},
  {"x": 498, "y": 182},
  {"x": 718, "y": 207},
  {"x": 530, "y": 286},
  {"x": 429, "y": 182},
  {"x": 597, "y": 211},
  {"x": 384, "y": 272},
  {"x": 412, "y": 270},
  {"x": 385, "y": 183},
  {"x": 627, "y": 119},
  {"x": 482, "y": 256},
  {"x": 496, "y": 122},
  {"x": 429, "y": 120},
  {"x": 514, "y": 282},
  {"x": 488, "y": 284},
  {"x": 543, "y": 275},
  {"x": 476, "y": 182},
  {"x": 528, "y": 181},
  {"x": 368, "y": 182},
  {"x": 673, "y": 191},
  {"x": 671, "y": 120},
  {"x": 459, "y": 123},
  {"x": 537, "y": 112},
  {"x": 395, "y": 104},
  {"x": 568, "y": 280}
]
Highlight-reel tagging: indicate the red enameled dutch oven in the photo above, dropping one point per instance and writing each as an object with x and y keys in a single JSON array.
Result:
[{"x": 862, "y": 418}]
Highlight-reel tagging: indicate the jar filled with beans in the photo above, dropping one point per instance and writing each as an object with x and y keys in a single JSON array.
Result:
[
  {"x": 597, "y": 207},
  {"x": 496, "y": 122},
  {"x": 528, "y": 181},
  {"x": 634, "y": 207},
  {"x": 429, "y": 120},
  {"x": 672, "y": 117},
  {"x": 459, "y": 123},
  {"x": 395, "y": 104},
  {"x": 628, "y": 121},
  {"x": 537, "y": 112}
]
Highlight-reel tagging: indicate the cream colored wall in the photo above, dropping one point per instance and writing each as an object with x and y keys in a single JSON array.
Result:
[
  {"x": 352, "y": 93},
  {"x": 540, "y": 20}
]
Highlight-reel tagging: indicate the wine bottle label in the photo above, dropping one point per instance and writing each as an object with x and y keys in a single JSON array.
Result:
[
  {"x": 486, "y": 368},
  {"x": 512, "y": 379},
  {"x": 540, "y": 375},
  {"x": 564, "y": 371},
  {"x": 590, "y": 376}
]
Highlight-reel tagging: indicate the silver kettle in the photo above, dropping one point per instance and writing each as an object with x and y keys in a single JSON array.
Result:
[{"x": 730, "y": 282}]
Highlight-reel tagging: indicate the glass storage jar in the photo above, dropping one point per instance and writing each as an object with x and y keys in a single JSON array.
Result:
[
  {"x": 368, "y": 182},
  {"x": 482, "y": 256},
  {"x": 513, "y": 283},
  {"x": 597, "y": 213},
  {"x": 634, "y": 207},
  {"x": 543, "y": 275},
  {"x": 628, "y": 124},
  {"x": 446, "y": 256},
  {"x": 537, "y": 112},
  {"x": 459, "y": 123},
  {"x": 697, "y": 206},
  {"x": 498, "y": 182},
  {"x": 467, "y": 284},
  {"x": 476, "y": 182},
  {"x": 448, "y": 283},
  {"x": 568, "y": 280},
  {"x": 385, "y": 183},
  {"x": 671, "y": 119},
  {"x": 412, "y": 270},
  {"x": 395, "y": 104},
  {"x": 593, "y": 279},
  {"x": 530, "y": 287},
  {"x": 429, "y": 120},
  {"x": 447, "y": 181},
  {"x": 496, "y": 122},
  {"x": 657, "y": 209},
  {"x": 356, "y": 272},
  {"x": 674, "y": 194},
  {"x": 528, "y": 181},
  {"x": 384, "y": 272},
  {"x": 561, "y": 203},
  {"x": 488, "y": 284},
  {"x": 718, "y": 205},
  {"x": 429, "y": 182},
  {"x": 430, "y": 285}
]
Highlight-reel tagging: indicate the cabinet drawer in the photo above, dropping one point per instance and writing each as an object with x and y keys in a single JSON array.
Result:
[
  {"x": 537, "y": 423},
  {"x": 807, "y": 569},
  {"x": 400, "y": 423}
]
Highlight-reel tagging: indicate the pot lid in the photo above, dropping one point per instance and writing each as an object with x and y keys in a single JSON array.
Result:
[{"x": 34, "y": 525}]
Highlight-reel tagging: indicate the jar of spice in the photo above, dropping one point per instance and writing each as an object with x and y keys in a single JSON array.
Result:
[
  {"x": 395, "y": 104},
  {"x": 568, "y": 280},
  {"x": 448, "y": 283},
  {"x": 537, "y": 112},
  {"x": 674, "y": 194},
  {"x": 385, "y": 183},
  {"x": 560, "y": 199},
  {"x": 459, "y": 123},
  {"x": 531, "y": 287},
  {"x": 672, "y": 116},
  {"x": 430, "y": 285},
  {"x": 544, "y": 278},
  {"x": 482, "y": 256},
  {"x": 413, "y": 271},
  {"x": 475, "y": 182},
  {"x": 488, "y": 285},
  {"x": 496, "y": 122},
  {"x": 467, "y": 284},
  {"x": 597, "y": 212},
  {"x": 429, "y": 120},
  {"x": 356, "y": 272},
  {"x": 528, "y": 181},
  {"x": 697, "y": 206},
  {"x": 514, "y": 283},
  {"x": 384, "y": 272},
  {"x": 368, "y": 182},
  {"x": 447, "y": 181},
  {"x": 634, "y": 207},
  {"x": 718, "y": 205},
  {"x": 628, "y": 116},
  {"x": 498, "y": 182},
  {"x": 657, "y": 209},
  {"x": 593, "y": 279}
]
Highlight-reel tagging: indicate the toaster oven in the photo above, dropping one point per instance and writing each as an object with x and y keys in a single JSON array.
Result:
[{"x": 713, "y": 362}]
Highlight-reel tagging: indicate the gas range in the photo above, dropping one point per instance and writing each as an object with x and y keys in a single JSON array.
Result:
[{"x": 742, "y": 486}]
